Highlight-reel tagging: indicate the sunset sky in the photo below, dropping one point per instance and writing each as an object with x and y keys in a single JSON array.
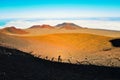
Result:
[{"x": 59, "y": 8}]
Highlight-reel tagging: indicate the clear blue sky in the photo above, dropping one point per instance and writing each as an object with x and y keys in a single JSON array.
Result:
[{"x": 59, "y": 8}]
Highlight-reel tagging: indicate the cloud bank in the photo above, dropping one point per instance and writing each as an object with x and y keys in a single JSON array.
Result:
[{"x": 97, "y": 24}]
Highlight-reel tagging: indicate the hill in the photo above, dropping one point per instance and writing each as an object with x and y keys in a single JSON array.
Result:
[
  {"x": 13, "y": 30},
  {"x": 42, "y": 26},
  {"x": 69, "y": 26},
  {"x": 83, "y": 45},
  {"x": 18, "y": 65},
  {"x": 71, "y": 47},
  {"x": 75, "y": 48}
]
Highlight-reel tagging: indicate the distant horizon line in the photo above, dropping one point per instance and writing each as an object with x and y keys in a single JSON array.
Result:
[
  {"x": 109, "y": 23},
  {"x": 56, "y": 26},
  {"x": 60, "y": 18}
]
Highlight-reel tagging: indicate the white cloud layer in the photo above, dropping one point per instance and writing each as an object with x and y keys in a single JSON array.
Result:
[{"x": 99, "y": 24}]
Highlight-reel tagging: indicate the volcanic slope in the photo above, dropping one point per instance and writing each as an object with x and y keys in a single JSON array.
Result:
[
  {"x": 74, "y": 47},
  {"x": 13, "y": 30},
  {"x": 71, "y": 47}
]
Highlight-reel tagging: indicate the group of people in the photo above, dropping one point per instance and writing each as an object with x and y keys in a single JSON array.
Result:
[{"x": 58, "y": 59}]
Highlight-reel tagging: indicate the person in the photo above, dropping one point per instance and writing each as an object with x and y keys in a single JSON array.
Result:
[
  {"x": 69, "y": 61},
  {"x": 59, "y": 59},
  {"x": 46, "y": 57},
  {"x": 52, "y": 59}
]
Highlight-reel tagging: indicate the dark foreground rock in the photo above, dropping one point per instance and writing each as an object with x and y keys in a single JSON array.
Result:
[{"x": 18, "y": 65}]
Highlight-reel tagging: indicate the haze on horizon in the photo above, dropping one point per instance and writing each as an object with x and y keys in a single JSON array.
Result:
[{"x": 58, "y": 9}]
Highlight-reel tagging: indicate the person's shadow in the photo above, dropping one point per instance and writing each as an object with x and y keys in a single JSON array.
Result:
[{"x": 115, "y": 42}]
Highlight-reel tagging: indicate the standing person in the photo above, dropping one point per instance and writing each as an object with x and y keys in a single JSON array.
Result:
[{"x": 59, "y": 59}]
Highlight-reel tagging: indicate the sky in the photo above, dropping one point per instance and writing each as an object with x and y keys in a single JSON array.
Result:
[
  {"x": 59, "y": 8},
  {"x": 101, "y": 14}
]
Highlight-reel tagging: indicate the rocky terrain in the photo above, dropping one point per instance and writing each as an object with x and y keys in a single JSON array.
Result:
[{"x": 18, "y": 65}]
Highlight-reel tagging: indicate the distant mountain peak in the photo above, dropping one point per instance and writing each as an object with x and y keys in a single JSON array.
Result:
[
  {"x": 35, "y": 26},
  {"x": 47, "y": 26},
  {"x": 13, "y": 30},
  {"x": 42, "y": 26},
  {"x": 12, "y": 27},
  {"x": 67, "y": 25}
]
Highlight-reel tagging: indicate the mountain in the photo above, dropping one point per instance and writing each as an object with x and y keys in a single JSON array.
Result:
[
  {"x": 42, "y": 26},
  {"x": 69, "y": 26},
  {"x": 13, "y": 30},
  {"x": 61, "y": 26},
  {"x": 36, "y": 26},
  {"x": 74, "y": 48},
  {"x": 73, "y": 45}
]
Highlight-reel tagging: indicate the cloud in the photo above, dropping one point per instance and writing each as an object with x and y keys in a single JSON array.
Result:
[
  {"x": 98, "y": 24},
  {"x": 19, "y": 24},
  {"x": 1, "y": 27}
]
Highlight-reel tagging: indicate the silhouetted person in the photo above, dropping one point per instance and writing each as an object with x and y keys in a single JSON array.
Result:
[
  {"x": 52, "y": 59},
  {"x": 46, "y": 57},
  {"x": 69, "y": 61},
  {"x": 59, "y": 59}
]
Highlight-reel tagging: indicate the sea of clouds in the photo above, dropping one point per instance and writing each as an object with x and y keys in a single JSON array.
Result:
[{"x": 101, "y": 23}]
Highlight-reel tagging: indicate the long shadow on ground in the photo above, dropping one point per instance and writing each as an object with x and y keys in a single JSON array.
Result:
[{"x": 18, "y": 65}]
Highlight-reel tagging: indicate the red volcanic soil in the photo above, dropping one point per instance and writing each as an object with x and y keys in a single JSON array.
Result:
[
  {"x": 42, "y": 26},
  {"x": 13, "y": 30}
]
